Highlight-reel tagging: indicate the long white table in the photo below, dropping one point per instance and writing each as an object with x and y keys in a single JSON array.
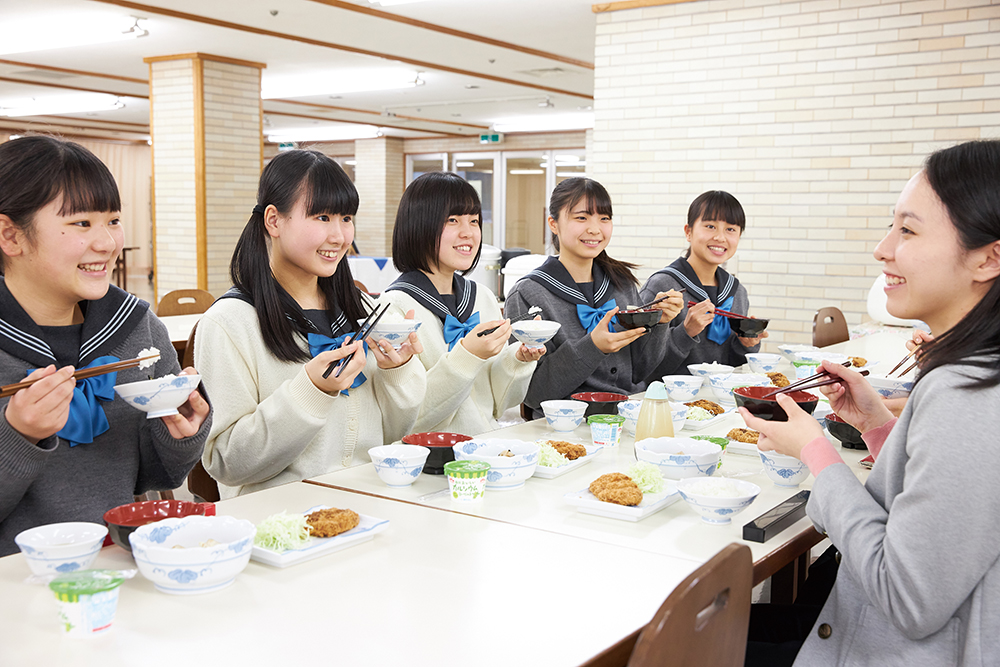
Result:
[{"x": 435, "y": 588}]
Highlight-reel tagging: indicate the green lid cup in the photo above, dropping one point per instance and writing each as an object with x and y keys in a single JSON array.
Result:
[
  {"x": 606, "y": 430},
  {"x": 87, "y": 600},
  {"x": 804, "y": 369},
  {"x": 467, "y": 479}
]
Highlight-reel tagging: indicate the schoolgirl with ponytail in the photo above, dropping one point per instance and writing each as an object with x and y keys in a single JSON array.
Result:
[
  {"x": 266, "y": 344},
  {"x": 582, "y": 289}
]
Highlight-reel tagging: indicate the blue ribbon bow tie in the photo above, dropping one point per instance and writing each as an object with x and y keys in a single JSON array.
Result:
[
  {"x": 86, "y": 416},
  {"x": 455, "y": 331},
  {"x": 719, "y": 330},
  {"x": 320, "y": 343},
  {"x": 591, "y": 317}
]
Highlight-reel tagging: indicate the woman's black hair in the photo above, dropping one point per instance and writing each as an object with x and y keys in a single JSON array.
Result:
[
  {"x": 323, "y": 187},
  {"x": 424, "y": 209},
  {"x": 35, "y": 170},
  {"x": 571, "y": 192},
  {"x": 716, "y": 205},
  {"x": 966, "y": 178}
]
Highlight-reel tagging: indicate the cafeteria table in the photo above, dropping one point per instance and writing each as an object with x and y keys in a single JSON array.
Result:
[
  {"x": 434, "y": 588},
  {"x": 179, "y": 328}
]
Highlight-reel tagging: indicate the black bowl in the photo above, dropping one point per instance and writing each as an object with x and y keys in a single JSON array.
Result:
[
  {"x": 849, "y": 436},
  {"x": 600, "y": 402},
  {"x": 633, "y": 319},
  {"x": 752, "y": 399},
  {"x": 748, "y": 328},
  {"x": 440, "y": 445}
]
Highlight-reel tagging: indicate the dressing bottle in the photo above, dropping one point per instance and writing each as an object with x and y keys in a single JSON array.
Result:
[{"x": 655, "y": 419}]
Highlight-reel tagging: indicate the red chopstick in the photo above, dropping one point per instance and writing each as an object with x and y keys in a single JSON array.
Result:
[{"x": 724, "y": 313}]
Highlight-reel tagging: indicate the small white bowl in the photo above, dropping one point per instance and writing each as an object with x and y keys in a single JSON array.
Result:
[
  {"x": 706, "y": 370},
  {"x": 891, "y": 387},
  {"x": 56, "y": 548},
  {"x": 159, "y": 397},
  {"x": 763, "y": 362},
  {"x": 699, "y": 493},
  {"x": 399, "y": 465},
  {"x": 564, "y": 416},
  {"x": 683, "y": 387},
  {"x": 821, "y": 355},
  {"x": 679, "y": 458},
  {"x": 678, "y": 413},
  {"x": 506, "y": 472},
  {"x": 395, "y": 332},
  {"x": 783, "y": 470},
  {"x": 630, "y": 411},
  {"x": 723, "y": 385},
  {"x": 791, "y": 349},
  {"x": 535, "y": 333},
  {"x": 169, "y": 552}
]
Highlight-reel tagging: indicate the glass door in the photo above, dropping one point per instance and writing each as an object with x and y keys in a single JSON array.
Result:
[
  {"x": 480, "y": 170},
  {"x": 421, "y": 164},
  {"x": 525, "y": 196}
]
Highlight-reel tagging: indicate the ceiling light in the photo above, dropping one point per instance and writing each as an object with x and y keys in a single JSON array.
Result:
[
  {"x": 325, "y": 133},
  {"x": 569, "y": 174},
  {"x": 547, "y": 104},
  {"x": 465, "y": 164},
  {"x": 50, "y": 106},
  {"x": 525, "y": 172},
  {"x": 330, "y": 83},
  {"x": 68, "y": 30},
  {"x": 350, "y": 163},
  {"x": 547, "y": 123}
]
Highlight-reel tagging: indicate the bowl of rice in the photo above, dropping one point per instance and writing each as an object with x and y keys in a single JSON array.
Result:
[
  {"x": 395, "y": 329},
  {"x": 534, "y": 333},
  {"x": 717, "y": 499}
]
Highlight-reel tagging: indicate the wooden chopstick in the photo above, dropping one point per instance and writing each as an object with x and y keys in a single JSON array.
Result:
[
  {"x": 724, "y": 313},
  {"x": 656, "y": 301},
  {"x": 83, "y": 374},
  {"x": 333, "y": 364},
  {"x": 909, "y": 368},
  {"x": 798, "y": 383},
  {"x": 531, "y": 313},
  {"x": 812, "y": 386},
  {"x": 903, "y": 361}
]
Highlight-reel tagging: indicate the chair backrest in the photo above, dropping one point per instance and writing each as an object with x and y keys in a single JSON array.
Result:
[
  {"x": 184, "y": 302},
  {"x": 199, "y": 482},
  {"x": 829, "y": 327}
]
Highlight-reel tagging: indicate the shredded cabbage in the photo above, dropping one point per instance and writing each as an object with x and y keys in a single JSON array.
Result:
[
  {"x": 549, "y": 457},
  {"x": 697, "y": 414},
  {"x": 282, "y": 532},
  {"x": 646, "y": 476}
]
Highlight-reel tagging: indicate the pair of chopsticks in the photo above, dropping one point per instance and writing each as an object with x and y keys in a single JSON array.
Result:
[
  {"x": 11, "y": 389},
  {"x": 804, "y": 382},
  {"x": 724, "y": 313},
  {"x": 534, "y": 310},
  {"x": 656, "y": 301},
  {"x": 366, "y": 328},
  {"x": 902, "y": 361}
]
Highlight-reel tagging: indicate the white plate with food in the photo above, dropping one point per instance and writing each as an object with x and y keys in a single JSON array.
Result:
[
  {"x": 587, "y": 502},
  {"x": 696, "y": 425},
  {"x": 551, "y": 472},
  {"x": 315, "y": 547}
]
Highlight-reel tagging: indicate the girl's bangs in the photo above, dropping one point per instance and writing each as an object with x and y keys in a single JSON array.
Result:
[
  {"x": 330, "y": 191},
  {"x": 597, "y": 200},
  {"x": 464, "y": 202},
  {"x": 86, "y": 185},
  {"x": 722, "y": 207}
]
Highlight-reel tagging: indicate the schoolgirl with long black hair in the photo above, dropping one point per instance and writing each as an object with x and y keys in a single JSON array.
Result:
[{"x": 266, "y": 344}]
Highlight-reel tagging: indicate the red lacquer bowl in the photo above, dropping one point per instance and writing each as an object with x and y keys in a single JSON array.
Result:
[
  {"x": 440, "y": 445},
  {"x": 124, "y": 519},
  {"x": 600, "y": 402}
]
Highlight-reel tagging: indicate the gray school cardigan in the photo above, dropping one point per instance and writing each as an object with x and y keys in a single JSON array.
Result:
[{"x": 919, "y": 580}]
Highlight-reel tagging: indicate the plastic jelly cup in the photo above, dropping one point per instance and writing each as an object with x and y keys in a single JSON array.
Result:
[
  {"x": 606, "y": 430},
  {"x": 804, "y": 369},
  {"x": 467, "y": 479},
  {"x": 87, "y": 600}
]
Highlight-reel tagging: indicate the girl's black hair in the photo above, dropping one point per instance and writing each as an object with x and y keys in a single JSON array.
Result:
[
  {"x": 323, "y": 187},
  {"x": 567, "y": 195},
  {"x": 966, "y": 178},
  {"x": 716, "y": 205},
  {"x": 424, "y": 209},
  {"x": 35, "y": 170}
]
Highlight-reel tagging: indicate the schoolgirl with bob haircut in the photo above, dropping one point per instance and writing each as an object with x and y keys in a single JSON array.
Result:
[
  {"x": 267, "y": 343},
  {"x": 473, "y": 374},
  {"x": 583, "y": 288},
  {"x": 71, "y": 450}
]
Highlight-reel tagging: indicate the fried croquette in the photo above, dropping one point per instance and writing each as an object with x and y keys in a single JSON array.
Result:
[
  {"x": 571, "y": 451},
  {"x": 332, "y": 521},
  {"x": 714, "y": 408},
  {"x": 858, "y": 362},
  {"x": 778, "y": 379},
  {"x": 743, "y": 435},
  {"x": 616, "y": 488}
]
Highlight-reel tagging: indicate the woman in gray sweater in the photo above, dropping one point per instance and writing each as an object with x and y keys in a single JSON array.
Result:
[{"x": 919, "y": 580}]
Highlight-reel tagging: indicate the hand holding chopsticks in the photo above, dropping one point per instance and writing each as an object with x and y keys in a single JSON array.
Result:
[
  {"x": 366, "y": 328},
  {"x": 79, "y": 374},
  {"x": 804, "y": 383}
]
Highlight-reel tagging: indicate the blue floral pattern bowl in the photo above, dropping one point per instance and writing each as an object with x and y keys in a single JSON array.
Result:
[
  {"x": 506, "y": 472},
  {"x": 395, "y": 333},
  {"x": 683, "y": 387},
  {"x": 717, "y": 499},
  {"x": 679, "y": 458},
  {"x": 535, "y": 333},
  {"x": 783, "y": 470},
  {"x": 564, "y": 416},
  {"x": 160, "y": 397},
  {"x": 399, "y": 465},
  {"x": 193, "y": 554},
  {"x": 57, "y": 548}
]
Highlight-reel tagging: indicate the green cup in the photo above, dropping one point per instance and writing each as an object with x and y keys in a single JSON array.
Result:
[
  {"x": 467, "y": 479},
  {"x": 606, "y": 430}
]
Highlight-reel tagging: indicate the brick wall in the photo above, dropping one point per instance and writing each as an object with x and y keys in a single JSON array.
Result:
[
  {"x": 814, "y": 114},
  {"x": 380, "y": 179}
]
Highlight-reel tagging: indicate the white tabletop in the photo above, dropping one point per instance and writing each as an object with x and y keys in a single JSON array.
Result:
[
  {"x": 179, "y": 326},
  {"x": 435, "y": 588}
]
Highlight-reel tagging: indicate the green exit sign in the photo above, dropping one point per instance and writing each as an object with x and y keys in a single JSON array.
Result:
[
  {"x": 286, "y": 146},
  {"x": 494, "y": 138}
]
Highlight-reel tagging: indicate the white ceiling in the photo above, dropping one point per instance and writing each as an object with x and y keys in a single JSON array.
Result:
[{"x": 563, "y": 29}]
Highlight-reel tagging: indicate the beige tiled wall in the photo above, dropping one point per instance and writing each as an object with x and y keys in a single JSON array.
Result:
[
  {"x": 380, "y": 179},
  {"x": 814, "y": 114}
]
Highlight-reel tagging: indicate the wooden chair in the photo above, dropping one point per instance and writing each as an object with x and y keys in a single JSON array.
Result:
[
  {"x": 184, "y": 302},
  {"x": 829, "y": 327},
  {"x": 704, "y": 621}
]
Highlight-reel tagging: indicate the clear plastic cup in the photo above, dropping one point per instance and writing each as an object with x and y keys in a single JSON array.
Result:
[{"x": 87, "y": 600}]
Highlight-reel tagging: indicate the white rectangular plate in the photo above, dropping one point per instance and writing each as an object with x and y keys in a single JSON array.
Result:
[
  {"x": 745, "y": 448},
  {"x": 366, "y": 529},
  {"x": 586, "y": 502},
  {"x": 551, "y": 473},
  {"x": 695, "y": 425}
]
